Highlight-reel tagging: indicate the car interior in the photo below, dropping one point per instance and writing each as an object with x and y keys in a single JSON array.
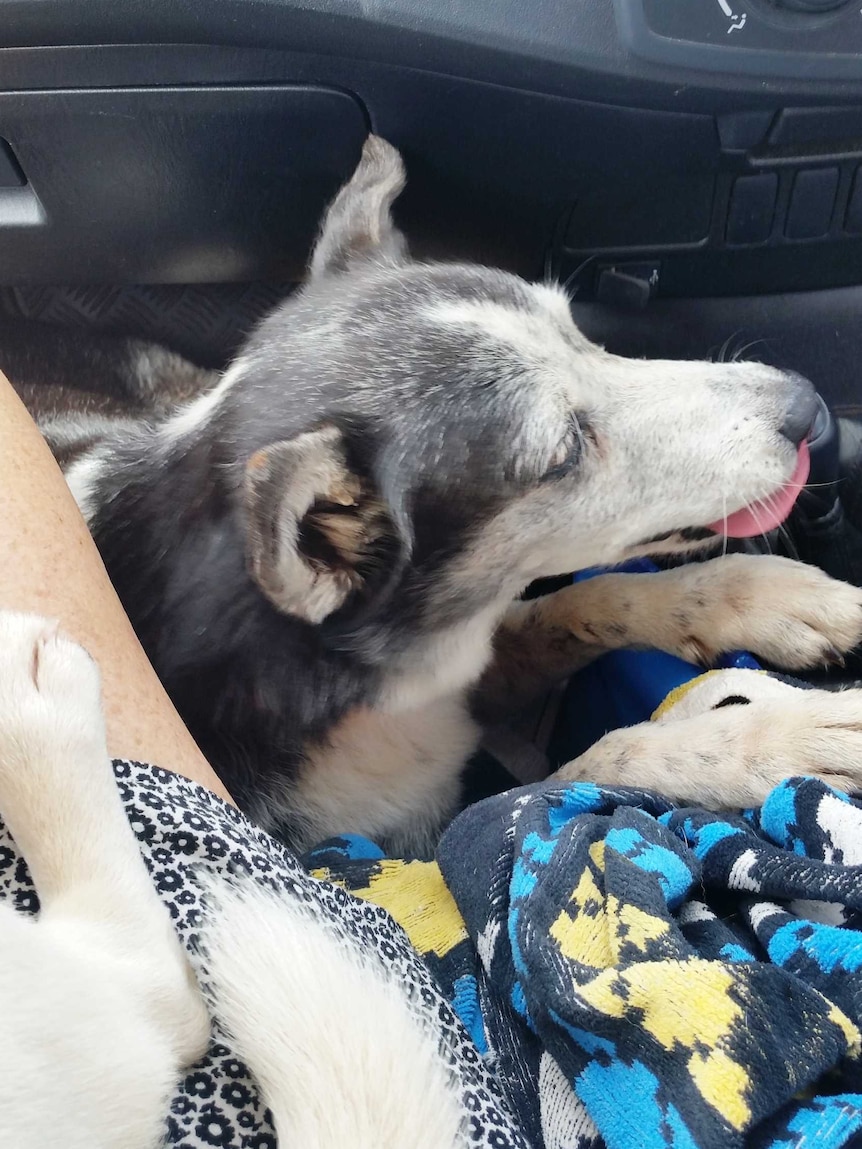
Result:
[{"x": 691, "y": 172}]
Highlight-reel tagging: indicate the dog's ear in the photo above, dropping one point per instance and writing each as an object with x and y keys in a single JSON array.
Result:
[
  {"x": 358, "y": 223},
  {"x": 317, "y": 530}
]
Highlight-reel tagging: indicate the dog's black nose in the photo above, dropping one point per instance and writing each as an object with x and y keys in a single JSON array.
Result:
[{"x": 803, "y": 405}]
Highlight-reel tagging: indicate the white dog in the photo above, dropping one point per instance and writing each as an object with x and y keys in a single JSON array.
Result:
[{"x": 100, "y": 1011}]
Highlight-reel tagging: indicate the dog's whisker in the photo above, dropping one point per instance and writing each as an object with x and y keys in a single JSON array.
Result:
[
  {"x": 724, "y": 522},
  {"x": 821, "y": 486},
  {"x": 758, "y": 504},
  {"x": 781, "y": 530},
  {"x": 746, "y": 347},
  {"x": 551, "y": 279},
  {"x": 767, "y": 504},
  {"x": 787, "y": 539},
  {"x": 723, "y": 349},
  {"x": 567, "y": 282},
  {"x": 579, "y": 432}
]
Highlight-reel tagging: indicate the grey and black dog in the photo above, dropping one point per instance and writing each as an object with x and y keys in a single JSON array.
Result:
[{"x": 322, "y": 550}]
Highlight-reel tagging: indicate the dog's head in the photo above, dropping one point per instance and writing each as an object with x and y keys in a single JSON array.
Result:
[{"x": 446, "y": 429}]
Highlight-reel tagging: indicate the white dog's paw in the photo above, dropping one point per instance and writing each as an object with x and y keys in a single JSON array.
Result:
[
  {"x": 50, "y": 695},
  {"x": 788, "y": 613},
  {"x": 733, "y": 756}
]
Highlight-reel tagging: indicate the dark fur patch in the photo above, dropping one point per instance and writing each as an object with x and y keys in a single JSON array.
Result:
[{"x": 686, "y": 535}]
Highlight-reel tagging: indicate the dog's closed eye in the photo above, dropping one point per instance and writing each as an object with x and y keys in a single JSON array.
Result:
[{"x": 568, "y": 452}]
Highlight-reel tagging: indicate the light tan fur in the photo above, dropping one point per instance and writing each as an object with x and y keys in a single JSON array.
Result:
[{"x": 389, "y": 767}]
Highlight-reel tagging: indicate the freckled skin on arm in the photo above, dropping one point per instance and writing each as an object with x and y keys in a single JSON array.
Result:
[{"x": 50, "y": 566}]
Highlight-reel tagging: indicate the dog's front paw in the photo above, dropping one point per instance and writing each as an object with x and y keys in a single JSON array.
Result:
[
  {"x": 692, "y": 769},
  {"x": 50, "y": 696},
  {"x": 643, "y": 757},
  {"x": 789, "y": 614},
  {"x": 733, "y": 756}
]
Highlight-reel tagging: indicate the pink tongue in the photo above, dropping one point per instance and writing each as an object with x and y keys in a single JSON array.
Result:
[{"x": 772, "y": 512}]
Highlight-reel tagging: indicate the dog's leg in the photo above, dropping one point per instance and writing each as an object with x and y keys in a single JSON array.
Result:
[
  {"x": 732, "y": 755},
  {"x": 99, "y": 1007},
  {"x": 792, "y": 615}
]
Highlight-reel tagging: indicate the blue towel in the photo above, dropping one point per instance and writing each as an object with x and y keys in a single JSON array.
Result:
[{"x": 645, "y": 977}]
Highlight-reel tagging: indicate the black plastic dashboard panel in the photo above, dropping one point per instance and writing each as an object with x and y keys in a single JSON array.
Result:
[
  {"x": 535, "y": 138},
  {"x": 565, "y": 46},
  {"x": 171, "y": 185}
]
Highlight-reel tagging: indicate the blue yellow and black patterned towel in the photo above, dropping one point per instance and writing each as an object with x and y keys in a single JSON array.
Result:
[{"x": 643, "y": 976}]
